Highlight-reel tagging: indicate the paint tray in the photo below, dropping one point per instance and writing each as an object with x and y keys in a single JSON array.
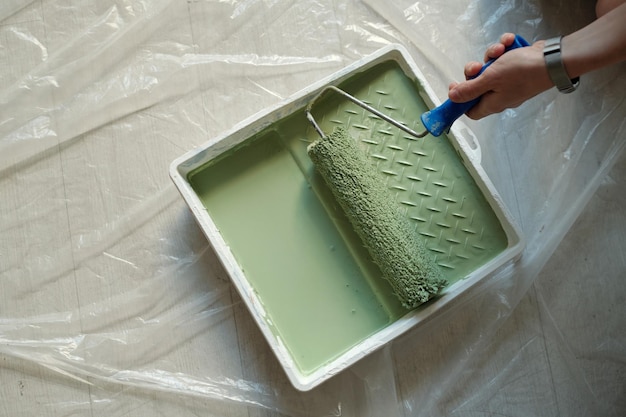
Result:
[{"x": 291, "y": 253}]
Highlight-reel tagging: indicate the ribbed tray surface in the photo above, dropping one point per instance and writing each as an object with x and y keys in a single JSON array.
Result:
[{"x": 427, "y": 176}]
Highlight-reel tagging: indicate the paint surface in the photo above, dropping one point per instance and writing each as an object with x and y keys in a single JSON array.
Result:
[{"x": 309, "y": 283}]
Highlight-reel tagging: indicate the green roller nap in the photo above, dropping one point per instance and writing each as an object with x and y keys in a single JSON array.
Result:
[{"x": 368, "y": 204}]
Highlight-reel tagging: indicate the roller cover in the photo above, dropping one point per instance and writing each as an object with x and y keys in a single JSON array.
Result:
[{"x": 391, "y": 241}]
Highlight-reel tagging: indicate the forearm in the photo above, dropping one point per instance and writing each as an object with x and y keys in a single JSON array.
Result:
[{"x": 599, "y": 44}]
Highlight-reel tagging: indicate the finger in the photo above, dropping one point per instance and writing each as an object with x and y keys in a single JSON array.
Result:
[
  {"x": 483, "y": 108},
  {"x": 494, "y": 51},
  {"x": 491, "y": 103},
  {"x": 507, "y": 39},
  {"x": 468, "y": 90},
  {"x": 477, "y": 112},
  {"x": 472, "y": 68},
  {"x": 497, "y": 49}
]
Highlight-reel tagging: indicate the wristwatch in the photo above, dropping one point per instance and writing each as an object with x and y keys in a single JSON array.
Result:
[{"x": 556, "y": 69}]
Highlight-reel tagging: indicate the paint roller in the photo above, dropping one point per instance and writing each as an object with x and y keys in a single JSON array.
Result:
[
  {"x": 405, "y": 262},
  {"x": 356, "y": 185}
]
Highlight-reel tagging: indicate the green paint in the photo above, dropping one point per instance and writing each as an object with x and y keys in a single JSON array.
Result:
[
  {"x": 317, "y": 282},
  {"x": 290, "y": 251}
]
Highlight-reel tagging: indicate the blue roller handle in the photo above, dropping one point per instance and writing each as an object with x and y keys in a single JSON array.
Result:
[{"x": 439, "y": 119}]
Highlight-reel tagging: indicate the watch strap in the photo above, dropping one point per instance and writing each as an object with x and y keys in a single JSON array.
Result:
[{"x": 556, "y": 69}]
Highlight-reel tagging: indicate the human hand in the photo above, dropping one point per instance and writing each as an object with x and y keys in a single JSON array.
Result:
[{"x": 509, "y": 81}]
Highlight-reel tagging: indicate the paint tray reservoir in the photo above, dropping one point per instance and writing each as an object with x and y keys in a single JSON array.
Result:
[{"x": 290, "y": 251}]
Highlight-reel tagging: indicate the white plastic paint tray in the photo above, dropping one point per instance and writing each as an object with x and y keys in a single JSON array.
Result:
[{"x": 292, "y": 255}]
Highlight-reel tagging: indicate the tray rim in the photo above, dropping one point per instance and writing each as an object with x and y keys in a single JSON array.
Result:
[{"x": 461, "y": 137}]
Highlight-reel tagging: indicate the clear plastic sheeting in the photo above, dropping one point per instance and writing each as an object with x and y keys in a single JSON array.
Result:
[{"x": 111, "y": 300}]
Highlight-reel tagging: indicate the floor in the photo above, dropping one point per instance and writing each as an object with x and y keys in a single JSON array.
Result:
[{"x": 113, "y": 303}]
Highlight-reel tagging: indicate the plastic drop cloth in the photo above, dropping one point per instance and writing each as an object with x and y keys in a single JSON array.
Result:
[{"x": 111, "y": 300}]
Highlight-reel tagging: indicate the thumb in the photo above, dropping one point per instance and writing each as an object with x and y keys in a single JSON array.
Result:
[{"x": 468, "y": 90}]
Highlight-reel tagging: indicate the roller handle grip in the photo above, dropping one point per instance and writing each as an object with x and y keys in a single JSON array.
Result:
[{"x": 439, "y": 119}]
